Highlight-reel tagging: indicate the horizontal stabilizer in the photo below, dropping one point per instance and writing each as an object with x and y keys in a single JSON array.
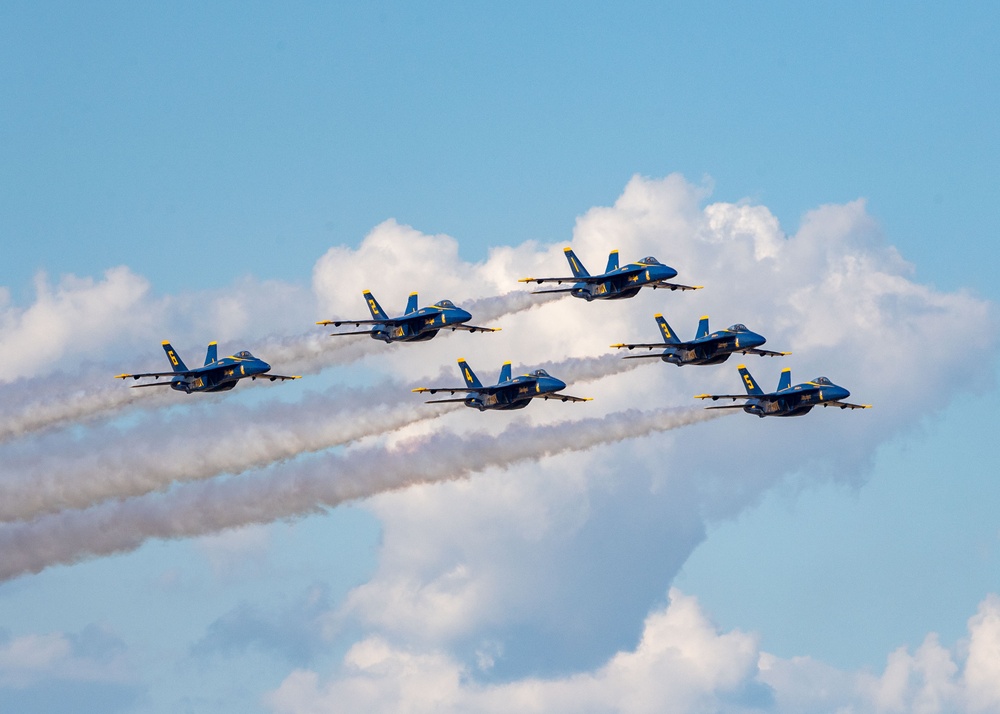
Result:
[{"x": 555, "y": 290}]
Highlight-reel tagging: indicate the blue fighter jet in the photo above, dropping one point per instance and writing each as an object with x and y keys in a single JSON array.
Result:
[
  {"x": 417, "y": 325},
  {"x": 705, "y": 348},
  {"x": 507, "y": 393},
  {"x": 614, "y": 283},
  {"x": 218, "y": 375},
  {"x": 787, "y": 400}
]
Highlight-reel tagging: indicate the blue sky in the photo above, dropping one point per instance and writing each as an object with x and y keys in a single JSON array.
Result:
[{"x": 223, "y": 151}]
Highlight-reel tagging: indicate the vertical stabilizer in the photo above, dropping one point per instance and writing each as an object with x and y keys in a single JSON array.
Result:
[
  {"x": 702, "y": 327},
  {"x": 212, "y": 356},
  {"x": 175, "y": 361},
  {"x": 504, "y": 373},
  {"x": 748, "y": 381},
  {"x": 668, "y": 335},
  {"x": 411, "y": 304},
  {"x": 612, "y": 262},
  {"x": 785, "y": 381},
  {"x": 471, "y": 380},
  {"x": 373, "y": 307},
  {"x": 575, "y": 265}
]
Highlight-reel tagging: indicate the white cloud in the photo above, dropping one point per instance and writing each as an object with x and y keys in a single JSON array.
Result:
[
  {"x": 834, "y": 293},
  {"x": 93, "y": 655},
  {"x": 682, "y": 663},
  {"x": 76, "y": 316}
]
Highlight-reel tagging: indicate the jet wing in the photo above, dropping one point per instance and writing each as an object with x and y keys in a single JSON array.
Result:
[
  {"x": 452, "y": 390},
  {"x": 560, "y": 281},
  {"x": 673, "y": 286},
  {"x": 472, "y": 328},
  {"x": 158, "y": 374},
  {"x": 564, "y": 398},
  {"x": 356, "y": 323},
  {"x": 649, "y": 345},
  {"x": 445, "y": 401},
  {"x": 846, "y": 405},
  {"x": 763, "y": 353},
  {"x": 272, "y": 377}
]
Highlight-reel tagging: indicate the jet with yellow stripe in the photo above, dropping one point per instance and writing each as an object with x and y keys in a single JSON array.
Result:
[
  {"x": 217, "y": 375},
  {"x": 705, "y": 348},
  {"x": 786, "y": 400},
  {"x": 415, "y": 325},
  {"x": 508, "y": 393},
  {"x": 614, "y": 283}
]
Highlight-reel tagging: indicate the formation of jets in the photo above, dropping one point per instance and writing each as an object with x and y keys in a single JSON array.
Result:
[{"x": 615, "y": 283}]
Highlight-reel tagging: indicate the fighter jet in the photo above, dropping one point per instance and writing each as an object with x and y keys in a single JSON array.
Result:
[
  {"x": 614, "y": 283},
  {"x": 787, "y": 400},
  {"x": 705, "y": 348},
  {"x": 416, "y": 325},
  {"x": 218, "y": 375},
  {"x": 507, "y": 393}
]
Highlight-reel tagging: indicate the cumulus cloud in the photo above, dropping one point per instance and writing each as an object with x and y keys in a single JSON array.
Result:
[
  {"x": 457, "y": 563},
  {"x": 527, "y": 561},
  {"x": 75, "y": 316},
  {"x": 681, "y": 663}
]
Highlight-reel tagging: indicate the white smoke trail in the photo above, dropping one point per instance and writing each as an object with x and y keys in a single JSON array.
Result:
[
  {"x": 34, "y": 405},
  {"x": 49, "y": 475},
  {"x": 42, "y": 403},
  {"x": 308, "y": 487},
  {"x": 156, "y": 453}
]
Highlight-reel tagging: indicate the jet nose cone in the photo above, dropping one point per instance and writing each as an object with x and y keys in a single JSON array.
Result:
[
  {"x": 755, "y": 340},
  {"x": 666, "y": 272},
  {"x": 557, "y": 384},
  {"x": 462, "y": 315},
  {"x": 840, "y": 393},
  {"x": 264, "y": 366}
]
